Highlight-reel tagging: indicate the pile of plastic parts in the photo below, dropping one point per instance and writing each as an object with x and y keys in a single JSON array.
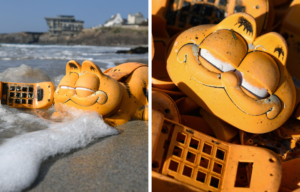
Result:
[{"x": 225, "y": 101}]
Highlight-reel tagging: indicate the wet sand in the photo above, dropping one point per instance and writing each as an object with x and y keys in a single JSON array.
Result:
[{"x": 114, "y": 163}]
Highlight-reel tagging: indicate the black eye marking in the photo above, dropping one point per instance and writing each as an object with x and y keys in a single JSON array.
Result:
[
  {"x": 247, "y": 25},
  {"x": 128, "y": 90},
  {"x": 73, "y": 66},
  {"x": 280, "y": 51},
  {"x": 145, "y": 91},
  {"x": 92, "y": 68}
]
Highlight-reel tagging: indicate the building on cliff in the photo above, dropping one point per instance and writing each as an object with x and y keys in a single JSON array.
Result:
[
  {"x": 134, "y": 20},
  {"x": 115, "y": 20},
  {"x": 137, "y": 18},
  {"x": 64, "y": 25}
]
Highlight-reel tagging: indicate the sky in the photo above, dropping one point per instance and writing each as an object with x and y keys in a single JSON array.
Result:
[{"x": 29, "y": 15}]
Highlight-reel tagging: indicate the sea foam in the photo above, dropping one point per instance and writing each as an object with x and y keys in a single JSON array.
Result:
[
  {"x": 24, "y": 74},
  {"x": 22, "y": 155}
]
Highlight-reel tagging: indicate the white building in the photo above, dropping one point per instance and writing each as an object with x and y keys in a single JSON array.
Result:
[
  {"x": 137, "y": 18},
  {"x": 115, "y": 20}
]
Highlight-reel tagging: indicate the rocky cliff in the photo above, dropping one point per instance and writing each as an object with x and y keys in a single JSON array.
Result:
[{"x": 106, "y": 36}]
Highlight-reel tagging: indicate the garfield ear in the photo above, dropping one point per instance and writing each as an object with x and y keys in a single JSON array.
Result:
[
  {"x": 73, "y": 67},
  {"x": 90, "y": 67},
  {"x": 274, "y": 44},
  {"x": 242, "y": 23}
]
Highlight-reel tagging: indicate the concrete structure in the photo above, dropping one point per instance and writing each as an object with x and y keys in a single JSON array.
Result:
[
  {"x": 137, "y": 18},
  {"x": 115, "y": 20},
  {"x": 63, "y": 25}
]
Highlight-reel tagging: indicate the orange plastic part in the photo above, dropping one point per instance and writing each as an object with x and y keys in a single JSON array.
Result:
[
  {"x": 165, "y": 104},
  {"x": 186, "y": 105},
  {"x": 232, "y": 74},
  {"x": 174, "y": 93},
  {"x": 291, "y": 174},
  {"x": 157, "y": 121},
  {"x": 160, "y": 76},
  {"x": 290, "y": 30},
  {"x": 222, "y": 130},
  {"x": 271, "y": 141},
  {"x": 27, "y": 95},
  {"x": 279, "y": 2},
  {"x": 153, "y": 50},
  {"x": 208, "y": 164},
  {"x": 290, "y": 130},
  {"x": 197, "y": 123},
  {"x": 160, "y": 37},
  {"x": 184, "y": 14},
  {"x": 87, "y": 87}
]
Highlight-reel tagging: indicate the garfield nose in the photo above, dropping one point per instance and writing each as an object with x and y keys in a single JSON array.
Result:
[
  {"x": 230, "y": 79},
  {"x": 70, "y": 93}
]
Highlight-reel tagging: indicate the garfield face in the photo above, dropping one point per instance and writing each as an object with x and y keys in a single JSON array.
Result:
[
  {"x": 234, "y": 75},
  {"x": 86, "y": 87}
]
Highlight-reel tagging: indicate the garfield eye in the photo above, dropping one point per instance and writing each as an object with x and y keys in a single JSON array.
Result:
[
  {"x": 219, "y": 64},
  {"x": 66, "y": 87},
  {"x": 252, "y": 87}
]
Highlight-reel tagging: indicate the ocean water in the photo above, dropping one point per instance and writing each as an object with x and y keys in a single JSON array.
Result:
[
  {"x": 26, "y": 139},
  {"x": 52, "y": 59}
]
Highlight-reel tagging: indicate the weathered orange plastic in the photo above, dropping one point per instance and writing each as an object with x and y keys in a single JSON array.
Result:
[
  {"x": 153, "y": 50},
  {"x": 186, "y": 105},
  {"x": 160, "y": 76},
  {"x": 160, "y": 33},
  {"x": 197, "y": 123},
  {"x": 157, "y": 121},
  {"x": 261, "y": 10},
  {"x": 271, "y": 141},
  {"x": 173, "y": 93},
  {"x": 279, "y": 2},
  {"x": 184, "y": 14},
  {"x": 122, "y": 71},
  {"x": 290, "y": 30},
  {"x": 222, "y": 130},
  {"x": 291, "y": 174},
  {"x": 290, "y": 130},
  {"x": 160, "y": 37},
  {"x": 159, "y": 7},
  {"x": 233, "y": 43},
  {"x": 87, "y": 87},
  {"x": 165, "y": 104},
  {"x": 27, "y": 95},
  {"x": 194, "y": 159}
]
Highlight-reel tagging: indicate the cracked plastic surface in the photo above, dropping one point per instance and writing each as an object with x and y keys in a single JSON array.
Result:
[
  {"x": 27, "y": 95},
  {"x": 195, "y": 159}
]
